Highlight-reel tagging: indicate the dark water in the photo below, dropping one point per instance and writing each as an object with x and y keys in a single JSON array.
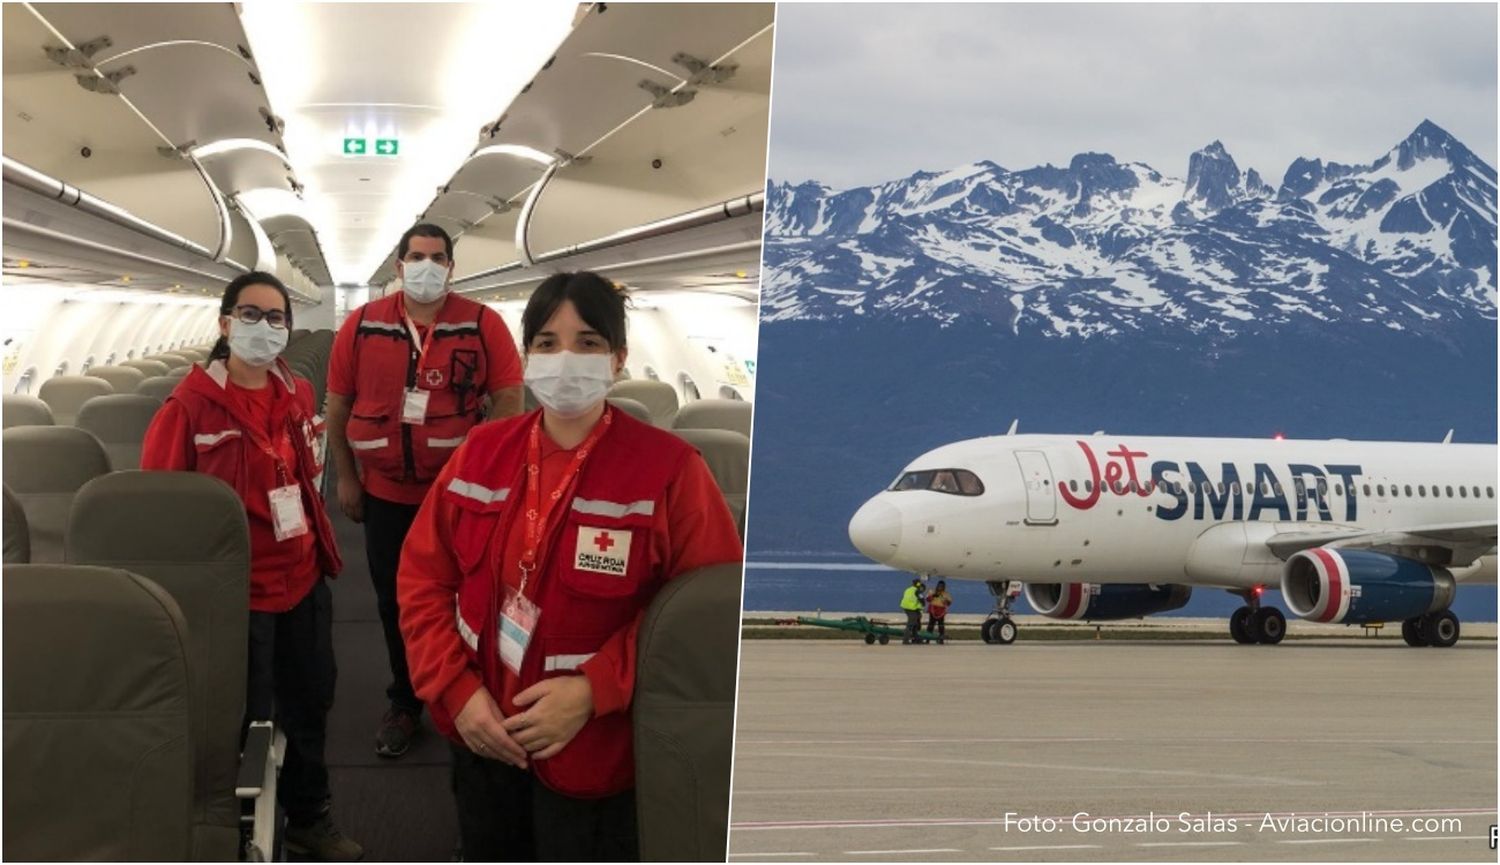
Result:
[{"x": 879, "y": 590}]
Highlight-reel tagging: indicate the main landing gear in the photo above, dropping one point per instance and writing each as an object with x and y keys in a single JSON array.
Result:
[
  {"x": 1433, "y": 629},
  {"x": 999, "y": 629},
  {"x": 1253, "y": 623}
]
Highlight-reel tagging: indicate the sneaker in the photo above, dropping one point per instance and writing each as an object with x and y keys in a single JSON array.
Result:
[
  {"x": 322, "y": 841},
  {"x": 397, "y": 729}
]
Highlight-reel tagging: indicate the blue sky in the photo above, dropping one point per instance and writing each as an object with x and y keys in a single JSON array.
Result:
[{"x": 866, "y": 93}]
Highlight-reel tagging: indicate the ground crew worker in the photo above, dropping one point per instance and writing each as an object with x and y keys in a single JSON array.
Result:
[
  {"x": 246, "y": 419},
  {"x": 554, "y": 531},
  {"x": 911, "y": 603},
  {"x": 937, "y": 611},
  {"x": 406, "y": 382}
]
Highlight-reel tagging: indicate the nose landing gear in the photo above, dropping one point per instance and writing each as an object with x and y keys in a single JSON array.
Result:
[
  {"x": 999, "y": 629},
  {"x": 1253, "y": 623}
]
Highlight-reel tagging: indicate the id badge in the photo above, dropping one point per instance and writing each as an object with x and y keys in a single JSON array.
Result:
[
  {"x": 287, "y": 516},
  {"x": 414, "y": 408},
  {"x": 518, "y": 617}
]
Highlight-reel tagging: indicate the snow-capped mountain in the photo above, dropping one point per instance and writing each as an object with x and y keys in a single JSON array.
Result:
[{"x": 1100, "y": 248}]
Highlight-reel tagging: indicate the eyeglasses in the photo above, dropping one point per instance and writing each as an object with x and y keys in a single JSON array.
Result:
[{"x": 248, "y": 314}]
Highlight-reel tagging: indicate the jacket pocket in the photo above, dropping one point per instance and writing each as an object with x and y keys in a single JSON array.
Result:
[
  {"x": 605, "y": 556},
  {"x": 599, "y": 761}
]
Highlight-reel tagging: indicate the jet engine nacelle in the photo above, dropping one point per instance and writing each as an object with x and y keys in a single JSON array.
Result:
[
  {"x": 1103, "y": 603},
  {"x": 1325, "y": 584}
]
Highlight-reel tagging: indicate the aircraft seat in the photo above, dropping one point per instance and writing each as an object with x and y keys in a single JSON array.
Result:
[
  {"x": 658, "y": 396},
  {"x": 159, "y": 387},
  {"x": 683, "y": 711},
  {"x": 726, "y": 414},
  {"x": 728, "y": 456},
  {"x": 186, "y": 532},
  {"x": 149, "y": 367},
  {"x": 45, "y": 467},
  {"x": 633, "y": 407},
  {"x": 179, "y": 372},
  {"x": 123, "y": 379},
  {"x": 119, "y": 422},
  {"x": 98, "y": 755},
  {"x": 66, "y": 394},
  {"x": 173, "y": 361},
  {"x": 17, "y": 534},
  {"x": 22, "y": 410}
]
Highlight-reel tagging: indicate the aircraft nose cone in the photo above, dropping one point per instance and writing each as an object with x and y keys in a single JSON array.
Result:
[{"x": 875, "y": 530}]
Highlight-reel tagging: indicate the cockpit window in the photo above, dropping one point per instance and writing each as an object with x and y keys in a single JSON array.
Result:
[{"x": 958, "y": 482}]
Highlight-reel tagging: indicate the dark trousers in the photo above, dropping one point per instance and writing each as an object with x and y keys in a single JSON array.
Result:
[
  {"x": 291, "y": 683},
  {"x": 935, "y": 625},
  {"x": 913, "y": 625},
  {"x": 506, "y": 815},
  {"x": 386, "y": 525}
]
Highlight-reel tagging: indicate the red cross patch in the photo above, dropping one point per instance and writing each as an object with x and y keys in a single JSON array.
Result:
[
  {"x": 433, "y": 378},
  {"x": 603, "y": 551}
]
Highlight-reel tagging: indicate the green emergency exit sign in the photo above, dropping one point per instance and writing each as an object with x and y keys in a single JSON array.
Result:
[
  {"x": 354, "y": 146},
  {"x": 387, "y": 146}
]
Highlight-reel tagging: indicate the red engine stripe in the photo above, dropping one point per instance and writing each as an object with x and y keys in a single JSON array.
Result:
[
  {"x": 1335, "y": 585},
  {"x": 1074, "y": 605}
]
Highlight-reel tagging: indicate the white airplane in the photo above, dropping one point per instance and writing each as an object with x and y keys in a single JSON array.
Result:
[{"x": 1106, "y": 527}]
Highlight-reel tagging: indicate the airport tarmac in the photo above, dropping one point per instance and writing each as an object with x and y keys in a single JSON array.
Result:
[{"x": 868, "y": 753}]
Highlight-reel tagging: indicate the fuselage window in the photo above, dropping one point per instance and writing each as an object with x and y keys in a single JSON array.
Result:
[
  {"x": 1448, "y": 491},
  {"x": 1463, "y": 492},
  {"x": 1338, "y": 489},
  {"x": 1380, "y": 489},
  {"x": 651, "y": 374},
  {"x": 1407, "y": 490},
  {"x": 1367, "y": 489},
  {"x": 1073, "y": 485},
  {"x": 1421, "y": 491},
  {"x": 87, "y": 362},
  {"x": 1277, "y": 487},
  {"x": 1489, "y": 492},
  {"x": 1220, "y": 487},
  {"x": 689, "y": 390},
  {"x": 110, "y": 361},
  {"x": 23, "y": 384},
  {"x": 727, "y": 392},
  {"x": 1088, "y": 486},
  {"x": 958, "y": 482},
  {"x": 130, "y": 354},
  {"x": 1476, "y": 492},
  {"x": 62, "y": 369}
]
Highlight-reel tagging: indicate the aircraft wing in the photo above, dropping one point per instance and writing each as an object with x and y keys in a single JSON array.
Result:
[{"x": 1454, "y": 544}]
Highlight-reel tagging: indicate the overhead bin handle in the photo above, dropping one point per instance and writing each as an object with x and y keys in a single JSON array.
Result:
[{"x": 523, "y": 224}]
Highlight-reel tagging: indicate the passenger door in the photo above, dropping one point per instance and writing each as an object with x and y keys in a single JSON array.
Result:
[{"x": 1036, "y": 476}]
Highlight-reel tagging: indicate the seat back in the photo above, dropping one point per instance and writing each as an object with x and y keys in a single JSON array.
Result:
[
  {"x": 17, "y": 535},
  {"x": 728, "y": 457},
  {"x": 729, "y": 414},
  {"x": 66, "y": 394},
  {"x": 173, "y": 361},
  {"x": 119, "y": 422},
  {"x": 186, "y": 532},
  {"x": 98, "y": 758},
  {"x": 123, "y": 379},
  {"x": 22, "y": 410},
  {"x": 683, "y": 712},
  {"x": 149, "y": 367},
  {"x": 657, "y": 396},
  {"x": 158, "y": 387},
  {"x": 45, "y": 467},
  {"x": 179, "y": 373},
  {"x": 632, "y": 407}
]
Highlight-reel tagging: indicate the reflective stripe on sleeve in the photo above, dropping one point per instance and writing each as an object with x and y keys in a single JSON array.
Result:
[
  {"x": 565, "y": 662},
  {"x": 478, "y": 493},
  {"x": 208, "y": 439}
]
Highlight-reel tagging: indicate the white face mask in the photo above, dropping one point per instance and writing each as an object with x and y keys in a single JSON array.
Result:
[
  {"x": 256, "y": 344},
  {"x": 424, "y": 281},
  {"x": 569, "y": 384}
]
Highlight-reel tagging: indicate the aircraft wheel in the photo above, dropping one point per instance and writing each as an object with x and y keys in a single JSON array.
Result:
[
  {"x": 1239, "y": 625},
  {"x": 1268, "y": 626},
  {"x": 987, "y": 630},
  {"x": 869, "y": 639},
  {"x": 884, "y": 639},
  {"x": 1005, "y": 631},
  {"x": 1411, "y": 632},
  {"x": 1441, "y": 629}
]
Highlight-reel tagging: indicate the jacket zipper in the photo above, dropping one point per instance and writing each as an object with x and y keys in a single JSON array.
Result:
[{"x": 408, "y": 455}]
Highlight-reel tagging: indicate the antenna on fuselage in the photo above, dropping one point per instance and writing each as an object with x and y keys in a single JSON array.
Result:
[
  {"x": 1448, "y": 439},
  {"x": 1013, "y": 424}
]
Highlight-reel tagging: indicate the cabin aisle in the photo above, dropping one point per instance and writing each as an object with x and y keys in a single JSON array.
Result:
[{"x": 400, "y": 810}]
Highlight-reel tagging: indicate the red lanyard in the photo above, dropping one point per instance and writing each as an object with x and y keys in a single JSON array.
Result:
[
  {"x": 257, "y": 434},
  {"x": 538, "y": 511},
  {"x": 421, "y": 344}
]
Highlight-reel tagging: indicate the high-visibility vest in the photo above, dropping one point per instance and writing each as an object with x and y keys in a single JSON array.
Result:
[{"x": 910, "y": 601}]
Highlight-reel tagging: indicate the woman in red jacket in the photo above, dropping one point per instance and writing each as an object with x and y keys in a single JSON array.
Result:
[
  {"x": 246, "y": 419},
  {"x": 523, "y": 581}
]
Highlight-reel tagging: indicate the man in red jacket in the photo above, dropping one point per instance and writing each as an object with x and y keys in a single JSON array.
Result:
[{"x": 407, "y": 380}]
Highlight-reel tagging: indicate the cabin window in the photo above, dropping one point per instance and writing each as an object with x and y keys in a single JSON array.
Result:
[
  {"x": 62, "y": 369},
  {"x": 958, "y": 482},
  {"x": 624, "y": 374},
  {"x": 689, "y": 390},
  {"x": 1367, "y": 489},
  {"x": 1277, "y": 487},
  {"x": 27, "y": 379},
  {"x": 87, "y": 362},
  {"x": 1220, "y": 487},
  {"x": 1380, "y": 489},
  {"x": 1073, "y": 485},
  {"x": 729, "y": 393},
  {"x": 1489, "y": 492},
  {"x": 1448, "y": 491},
  {"x": 1322, "y": 487},
  {"x": 130, "y": 354},
  {"x": 1421, "y": 491},
  {"x": 651, "y": 374},
  {"x": 1338, "y": 489},
  {"x": 1476, "y": 492},
  {"x": 1463, "y": 492},
  {"x": 1407, "y": 489},
  {"x": 110, "y": 361},
  {"x": 1088, "y": 486}
]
